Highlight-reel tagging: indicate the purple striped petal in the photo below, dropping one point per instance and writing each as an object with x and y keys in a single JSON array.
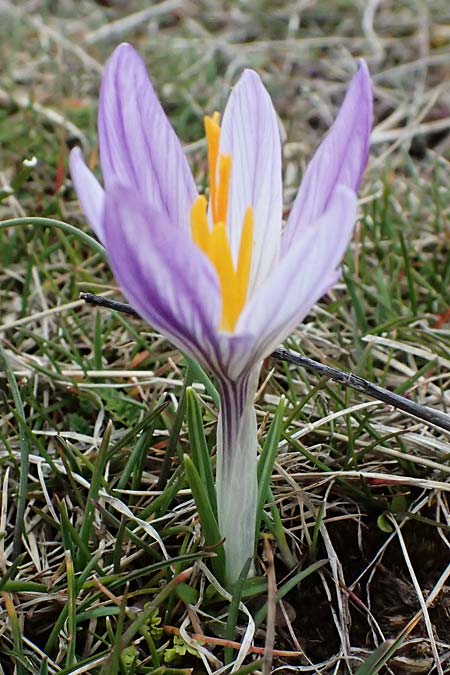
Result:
[
  {"x": 250, "y": 134},
  {"x": 301, "y": 277},
  {"x": 138, "y": 146},
  {"x": 165, "y": 277},
  {"x": 90, "y": 192},
  {"x": 340, "y": 159}
]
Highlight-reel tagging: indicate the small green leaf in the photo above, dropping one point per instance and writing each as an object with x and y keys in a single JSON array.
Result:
[
  {"x": 129, "y": 658},
  {"x": 180, "y": 648},
  {"x": 187, "y": 594},
  {"x": 383, "y": 524},
  {"x": 154, "y": 622}
]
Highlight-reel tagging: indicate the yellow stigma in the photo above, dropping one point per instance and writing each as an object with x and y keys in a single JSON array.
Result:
[{"x": 214, "y": 241}]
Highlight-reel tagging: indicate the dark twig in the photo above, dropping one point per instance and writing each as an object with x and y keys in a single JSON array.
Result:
[
  {"x": 435, "y": 417},
  {"x": 424, "y": 413},
  {"x": 92, "y": 299}
]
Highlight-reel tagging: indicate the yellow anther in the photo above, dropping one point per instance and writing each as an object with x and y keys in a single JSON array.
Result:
[
  {"x": 220, "y": 256},
  {"x": 213, "y": 241},
  {"x": 220, "y": 208},
  {"x": 212, "y": 130},
  {"x": 245, "y": 257},
  {"x": 199, "y": 223}
]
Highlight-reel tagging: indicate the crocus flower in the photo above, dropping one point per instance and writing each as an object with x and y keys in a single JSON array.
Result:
[{"x": 220, "y": 277}]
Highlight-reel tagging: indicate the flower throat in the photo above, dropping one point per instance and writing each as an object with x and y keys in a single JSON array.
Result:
[{"x": 214, "y": 241}]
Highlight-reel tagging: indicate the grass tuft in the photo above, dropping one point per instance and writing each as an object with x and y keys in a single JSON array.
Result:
[{"x": 103, "y": 566}]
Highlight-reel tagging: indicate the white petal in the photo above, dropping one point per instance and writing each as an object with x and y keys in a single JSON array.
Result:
[
  {"x": 250, "y": 134},
  {"x": 89, "y": 191},
  {"x": 301, "y": 277}
]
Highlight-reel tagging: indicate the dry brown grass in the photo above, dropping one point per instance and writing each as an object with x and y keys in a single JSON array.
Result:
[{"x": 359, "y": 486}]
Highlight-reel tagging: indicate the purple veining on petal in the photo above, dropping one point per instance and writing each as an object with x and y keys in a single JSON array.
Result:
[
  {"x": 305, "y": 273},
  {"x": 283, "y": 301},
  {"x": 163, "y": 274},
  {"x": 236, "y": 354},
  {"x": 233, "y": 395},
  {"x": 138, "y": 146},
  {"x": 340, "y": 159}
]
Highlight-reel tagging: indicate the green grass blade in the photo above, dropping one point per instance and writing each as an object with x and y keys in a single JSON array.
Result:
[
  {"x": 98, "y": 341},
  {"x": 230, "y": 632},
  {"x": 174, "y": 435},
  {"x": 266, "y": 462},
  {"x": 277, "y": 529},
  {"x": 315, "y": 537},
  {"x": 130, "y": 436},
  {"x": 357, "y": 304},
  {"x": 23, "y": 587},
  {"x": 378, "y": 658},
  {"x": 15, "y": 630},
  {"x": 59, "y": 225},
  {"x": 208, "y": 520},
  {"x": 82, "y": 665},
  {"x": 80, "y": 582},
  {"x": 72, "y": 539},
  {"x": 161, "y": 503},
  {"x": 43, "y": 670},
  {"x": 11, "y": 573},
  {"x": 134, "y": 459},
  {"x": 199, "y": 448},
  {"x": 25, "y": 449},
  {"x": 114, "y": 668},
  {"x": 71, "y": 611},
  {"x": 288, "y": 586},
  {"x": 409, "y": 275},
  {"x": 96, "y": 482},
  {"x": 250, "y": 668},
  {"x": 199, "y": 375}
]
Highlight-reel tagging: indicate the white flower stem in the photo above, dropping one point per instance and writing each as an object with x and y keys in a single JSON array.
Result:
[{"x": 236, "y": 476}]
